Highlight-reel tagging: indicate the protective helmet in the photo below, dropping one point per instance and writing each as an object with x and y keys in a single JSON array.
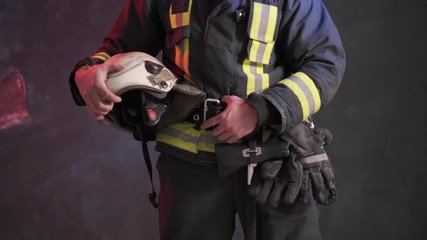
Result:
[{"x": 143, "y": 84}]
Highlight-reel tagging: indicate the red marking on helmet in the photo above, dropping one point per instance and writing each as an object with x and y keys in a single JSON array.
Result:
[{"x": 152, "y": 115}]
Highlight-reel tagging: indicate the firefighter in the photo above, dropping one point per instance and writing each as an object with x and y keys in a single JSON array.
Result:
[{"x": 265, "y": 66}]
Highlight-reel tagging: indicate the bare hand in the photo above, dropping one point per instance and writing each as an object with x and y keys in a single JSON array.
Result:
[
  {"x": 236, "y": 121},
  {"x": 91, "y": 84}
]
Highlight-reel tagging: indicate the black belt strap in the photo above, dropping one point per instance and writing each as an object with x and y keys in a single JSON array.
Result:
[{"x": 250, "y": 205}]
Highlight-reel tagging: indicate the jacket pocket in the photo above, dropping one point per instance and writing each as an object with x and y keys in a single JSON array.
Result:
[{"x": 263, "y": 26}]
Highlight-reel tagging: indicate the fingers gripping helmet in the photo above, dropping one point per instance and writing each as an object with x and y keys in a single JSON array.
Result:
[{"x": 143, "y": 84}]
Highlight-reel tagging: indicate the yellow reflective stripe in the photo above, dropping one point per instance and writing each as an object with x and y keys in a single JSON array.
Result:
[
  {"x": 173, "y": 18},
  {"x": 180, "y": 135},
  {"x": 300, "y": 95},
  {"x": 253, "y": 52},
  {"x": 306, "y": 91},
  {"x": 182, "y": 51},
  {"x": 186, "y": 48},
  {"x": 207, "y": 142},
  {"x": 180, "y": 19},
  {"x": 178, "y": 55},
  {"x": 177, "y": 142},
  {"x": 207, "y": 147},
  {"x": 186, "y": 128},
  {"x": 313, "y": 89},
  {"x": 256, "y": 20},
  {"x": 260, "y": 51},
  {"x": 257, "y": 80},
  {"x": 184, "y": 136},
  {"x": 102, "y": 56},
  {"x": 250, "y": 83},
  {"x": 262, "y": 29},
  {"x": 267, "y": 53},
  {"x": 271, "y": 26},
  {"x": 186, "y": 16},
  {"x": 263, "y": 22}
]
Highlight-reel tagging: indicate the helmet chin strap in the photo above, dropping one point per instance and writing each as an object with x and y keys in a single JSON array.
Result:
[
  {"x": 151, "y": 112},
  {"x": 150, "y": 115},
  {"x": 146, "y": 153}
]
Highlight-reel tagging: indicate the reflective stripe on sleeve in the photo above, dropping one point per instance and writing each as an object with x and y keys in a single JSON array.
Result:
[
  {"x": 306, "y": 91},
  {"x": 101, "y": 56}
]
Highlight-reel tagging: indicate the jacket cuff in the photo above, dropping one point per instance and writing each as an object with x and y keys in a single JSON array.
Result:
[{"x": 267, "y": 114}]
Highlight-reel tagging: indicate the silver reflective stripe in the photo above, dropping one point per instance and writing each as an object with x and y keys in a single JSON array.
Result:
[
  {"x": 181, "y": 135},
  {"x": 258, "y": 77},
  {"x": 315, "y": 158},
  {"x": 207, "y": 142},
  {"x": 260, "y": 53},
  {"x": 307, "y": 92},
  {"x": 262, "y": 26},
  {"x": 184, "y": 136},
  {"x": 257, "y": 80}
]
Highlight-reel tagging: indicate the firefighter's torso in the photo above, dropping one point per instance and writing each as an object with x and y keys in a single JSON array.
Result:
[{"x": 222, "y": 47}]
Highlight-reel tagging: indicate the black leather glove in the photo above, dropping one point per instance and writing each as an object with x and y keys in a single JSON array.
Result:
[
  {"x": 319, "y": 172},
  {"x": 277, "y": 180},
  {"x": 324, "y": 134},
  {"x": 289, "y": 179}
]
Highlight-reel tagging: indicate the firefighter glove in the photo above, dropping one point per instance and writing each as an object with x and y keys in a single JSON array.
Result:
[
  {"x": 319, "y": 174},
  {"x": 277, "y": 180}
]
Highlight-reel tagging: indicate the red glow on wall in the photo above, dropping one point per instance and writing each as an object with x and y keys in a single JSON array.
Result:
[{"x": 13, "y": 107}]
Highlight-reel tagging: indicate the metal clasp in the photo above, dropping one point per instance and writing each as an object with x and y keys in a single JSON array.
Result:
[
  {"x": 246, "y": 152},
  {"x": 205, "y": 106}
]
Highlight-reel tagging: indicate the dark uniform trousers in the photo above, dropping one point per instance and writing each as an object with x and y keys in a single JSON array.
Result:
[{"x": 195, "y": 204}]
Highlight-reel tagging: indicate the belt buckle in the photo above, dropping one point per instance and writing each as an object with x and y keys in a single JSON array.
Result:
[
  {"x": 247, "y": 151},
  {"x": 205, "y": 106}
]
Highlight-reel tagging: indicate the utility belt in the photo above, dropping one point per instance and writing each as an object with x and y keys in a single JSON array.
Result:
[
  {"x": 249, "y": 152},
  {"x": 253, "y": 151},
  {"x": 208, "y": 109}
]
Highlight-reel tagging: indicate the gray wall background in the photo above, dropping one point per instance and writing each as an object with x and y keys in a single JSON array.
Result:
[{"x": 64, "y": 176}]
